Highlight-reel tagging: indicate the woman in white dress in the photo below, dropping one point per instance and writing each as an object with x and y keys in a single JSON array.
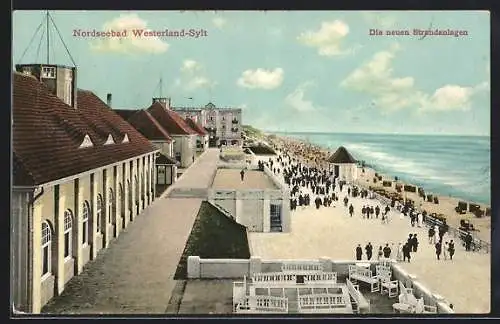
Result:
[
  {"x": 419, "y": 219},
  {"x": 436, "y": 234},
  {"x": 399, "y": 256}
]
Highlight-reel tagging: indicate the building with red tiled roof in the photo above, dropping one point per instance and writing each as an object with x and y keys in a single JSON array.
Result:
[
  {"x": 202, "y": 141},
  {"x": 149, "y": 127},
  {"x": 81, "y": 173},
  {"x": 184, "y": 136}
]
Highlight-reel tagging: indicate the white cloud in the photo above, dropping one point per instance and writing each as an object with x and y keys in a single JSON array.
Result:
[
  {"x": 219, "y": 22},
  {"x": 200, "y": 82},
  {"x": 261, "y": 79},
  {"x": 130, "y": 43},
  {"x": 379, "y": 20},
  {"x": 190, "y": 66},
  {"x": 296, "y": 100},
  {"x": 328, "y": 39},
  {"x": 376, "y": 77},
  {"x": 193, "y": 76}
]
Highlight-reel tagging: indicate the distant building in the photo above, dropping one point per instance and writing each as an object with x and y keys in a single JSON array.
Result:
[
  {"x": 80, "y": 175},
  {"x": 344, "y": 165},
  {"x": 183, "y": 145},
  {"x": 224, "y": 125},
  {"x": 202, "y": 141}
]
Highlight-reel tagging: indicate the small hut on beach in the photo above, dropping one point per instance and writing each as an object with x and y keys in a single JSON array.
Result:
[{"x": 343, "y": 165}]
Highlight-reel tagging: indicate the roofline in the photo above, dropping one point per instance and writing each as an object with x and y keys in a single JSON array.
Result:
[
  {"x": 43, "y": 64},
  {"x": 204, "y": 108},
  {"x": 88, "y": 172}
]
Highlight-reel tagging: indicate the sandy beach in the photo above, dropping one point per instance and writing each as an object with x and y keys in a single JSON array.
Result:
[
  {"x": 314, "y": 155},
  {"x": 331, "y": 232}
]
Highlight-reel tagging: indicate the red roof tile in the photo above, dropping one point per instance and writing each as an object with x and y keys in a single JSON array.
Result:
[
  {"x": 196, "y": 127},
  {"x": 125, "y": 113},
  {"x": 148, "y": 126},
  {"x": 171, "y": 121},
  {"x": 47, "y": 134}
]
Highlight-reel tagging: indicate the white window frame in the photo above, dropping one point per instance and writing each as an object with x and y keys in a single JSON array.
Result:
[
  {"x": 98, "y": 213},
  {"x": 48, "y": 72},
  {"x": 85, "y": 223},
  {"x": 47, "y": 242},
  {"x": 68, "y": 229}
]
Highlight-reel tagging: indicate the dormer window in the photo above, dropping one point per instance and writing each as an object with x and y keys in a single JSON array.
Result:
[
  {"x": 87, "y": 142},
  {"x": 125, "y": 139},
  {"x": 49, "y": 72},
  {"x": 110, "y": 140}
]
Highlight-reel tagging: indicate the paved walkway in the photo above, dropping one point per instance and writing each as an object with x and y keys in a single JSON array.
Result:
[
  {"x": 135, "y": 274},
  {"x": 330, "y": 232},
  {"x": 231, "y": 179},
  {"x": 200, "y": 173}
]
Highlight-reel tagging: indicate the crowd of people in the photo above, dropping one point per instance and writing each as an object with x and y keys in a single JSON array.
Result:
[{"x": 303, "y": 169}]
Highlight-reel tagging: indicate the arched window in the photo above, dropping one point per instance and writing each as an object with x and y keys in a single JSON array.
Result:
[
  {"x": 98, "y": 213},
  {"x": 68, "y": 227},
  {"x": 111, "y": 201},
  {"x": 46, "y": 249},
  {"x": 85, "y": 223}
]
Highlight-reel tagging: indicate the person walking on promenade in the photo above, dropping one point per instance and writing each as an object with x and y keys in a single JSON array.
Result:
[
  {"x": 369, "y": 251},
  {"x": 406, "y": 252},
  {"x": 438, "y": 249},
  {"x": 410, "y": 242},
  {"x": 346, "y": 200},
  {"x": 242, "y": 174},
  {"x": 445, "y": 250},
  {"x": 431, "y": 235},
  {"x": 363, "y": 211},
  {"x": 349, "y": 191},
  {"x": 387, "y": 209},
  {"x": 380, "y": 253},
  {"x": 419, "y": 219},
  {"x": 436, "y": 234},
  {"x": 451, "y": 249},
  {"x": 399, "y": 255},
  {"x": 387, "y": 251},
  {"x": 351, "y": 210},
  {"x": 372, "y": 211},
  {"x": 468, "y": 242},
  {"x": 359, "y": 252},
  {"x": 377, "y": 211},
  {"x": 414, "y": 244}
]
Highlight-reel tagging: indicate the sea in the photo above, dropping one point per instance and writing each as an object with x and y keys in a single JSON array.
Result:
[{"x": 448, "y": 165}]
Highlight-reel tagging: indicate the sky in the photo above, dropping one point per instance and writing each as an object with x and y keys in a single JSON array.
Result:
[{"x": 307, "y": 71}]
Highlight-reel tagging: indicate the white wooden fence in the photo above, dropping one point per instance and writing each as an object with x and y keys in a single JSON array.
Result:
[
  {"x": 324, "y": 303},
  {"x": 280, "y": 277},
  {"x": 262, "y": 304},
  {"x": 295, "y": 267}
]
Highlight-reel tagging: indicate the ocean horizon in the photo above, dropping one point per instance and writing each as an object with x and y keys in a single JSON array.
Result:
[{"x": 443, "y": 164}]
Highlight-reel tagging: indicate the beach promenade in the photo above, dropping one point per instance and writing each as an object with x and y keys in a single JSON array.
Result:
[
  {"x": 331, "y": 232},
  {"x": 135, "y": 274}
]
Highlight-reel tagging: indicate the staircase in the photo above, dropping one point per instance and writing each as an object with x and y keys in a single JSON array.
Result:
[{"x": 293, "y": 300}]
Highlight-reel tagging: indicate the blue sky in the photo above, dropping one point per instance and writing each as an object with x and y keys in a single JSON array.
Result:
[{"x": 289, "y": 71}]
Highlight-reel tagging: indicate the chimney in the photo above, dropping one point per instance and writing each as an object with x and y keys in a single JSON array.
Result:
[
  {"x": 108, "y": 100},
  {"x": 163, "y": 100}
]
